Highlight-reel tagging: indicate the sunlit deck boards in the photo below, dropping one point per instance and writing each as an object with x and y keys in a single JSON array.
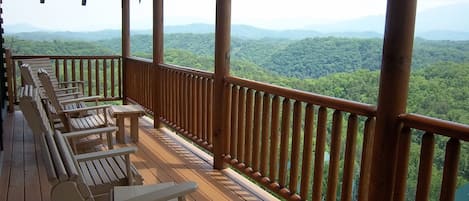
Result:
[{"x": 161, "y": 158}]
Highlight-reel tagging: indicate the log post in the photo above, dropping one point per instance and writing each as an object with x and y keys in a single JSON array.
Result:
[
  {"x": 10, "y": 79},
  {"x": 158, "y": 58},
  {"x": 125, "y": 45},
  {"x": 222, "y": 69},
  {"x": 392, "y": 98}
]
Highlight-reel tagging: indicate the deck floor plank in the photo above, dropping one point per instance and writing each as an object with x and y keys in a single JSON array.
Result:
[
  {"x": 31, "y": 171},
  {"x": 159, "y": 158},
  {"x": 8, "y": 128},
  {"x": 45, "y": 186},
  {"x": 16, "y": 186}
]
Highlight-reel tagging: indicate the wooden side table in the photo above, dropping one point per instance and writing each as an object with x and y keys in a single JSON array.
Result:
[{"x": 120, "y": 112}]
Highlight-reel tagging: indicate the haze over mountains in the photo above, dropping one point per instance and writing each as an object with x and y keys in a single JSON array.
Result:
[{"x": 441, "y": 23}]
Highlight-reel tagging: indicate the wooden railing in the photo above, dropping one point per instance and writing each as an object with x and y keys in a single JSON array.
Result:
[
  {"x": 184, "y": 96},
  {"x": 274, "y": 131},
  {"x": 292, "y": 142},
  {"x": 428, "y": 129},
  {"x": 139, "y": 83},
  {"x": 101, "y": 74},
  {"x": 187, "y": 102},
  {"x": 266, "y": 139}
]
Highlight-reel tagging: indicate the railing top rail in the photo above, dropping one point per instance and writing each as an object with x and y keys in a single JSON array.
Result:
[
  {"x": 200, "y": 73},
  {"x": 140, "y": 59},
  {"x": 65, "y": 57},
  {"x": 321, "y": 100},
  {"x": 437, "y": 126},
  {"x": 187, "y": 70}
]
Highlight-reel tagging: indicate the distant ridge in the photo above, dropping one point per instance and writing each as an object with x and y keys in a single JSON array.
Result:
[
  {"x": 240, "y": 31},
  {"x": 441, "y": 23}
]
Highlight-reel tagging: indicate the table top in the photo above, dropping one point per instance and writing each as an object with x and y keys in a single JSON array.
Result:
[
  {"x": 122, "y": 193},
  {"x": 127, "y": 109}
]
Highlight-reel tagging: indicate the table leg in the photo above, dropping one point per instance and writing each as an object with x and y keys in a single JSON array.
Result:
[
  {"x": 120, "y": 137},
  {"x": 134, "y": 128}
]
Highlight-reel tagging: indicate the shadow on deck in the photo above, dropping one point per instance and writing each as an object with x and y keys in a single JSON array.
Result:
[{"x": 162, "y": 157}]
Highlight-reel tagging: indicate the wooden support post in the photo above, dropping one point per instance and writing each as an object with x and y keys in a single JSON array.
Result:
[
  {"x": 125, "y": 45},
  {"x": 158, "y": 52},
  {"x": 222, "y": 69},
  {"x": 10, "y": 79},
  {"x": 392, "y": 98}
]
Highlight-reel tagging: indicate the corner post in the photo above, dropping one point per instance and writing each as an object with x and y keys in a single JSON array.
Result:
[
  {"x": 10, "y": 79},
  {"x": 392, "y": 98},
  {"x": 125, "y": 45},
  {"x": 222, "y": 69},
  {"x": 158, "y": 58}
]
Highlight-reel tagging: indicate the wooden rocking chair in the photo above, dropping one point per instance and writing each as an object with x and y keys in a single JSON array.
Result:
[
  {"x": 91, "y": 176},
  {"x": 98, "y": 119}
]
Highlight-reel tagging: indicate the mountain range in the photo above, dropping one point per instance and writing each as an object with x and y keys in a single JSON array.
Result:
[{"x": 441, "y": 23}]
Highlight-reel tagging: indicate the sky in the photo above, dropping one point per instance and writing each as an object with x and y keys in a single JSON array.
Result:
[{"x": 69, "y": 15}]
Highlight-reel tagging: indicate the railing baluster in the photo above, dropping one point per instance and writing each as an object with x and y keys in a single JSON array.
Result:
[
  {"x": 450, "y": 170},
  {"x": 335, "y": 156},
  {"x": 425, "y": 167},
  {"x": 105, "y": 78},
  {"x": 65, "y": 68},
  {"x": 82, "y": 75},
  {"x": 402, "y": 165},
  {"x": 189, "y": 102},
  {"x": 256, "y": 131},
  {"x": 181, "y": 78},
  {"x": 210, "y": 112},
  {"x": 113, "y": 84},
  {"x": 285, "y": 136},
  {"x": 204, "y": 110},
  {"x": 234, "y": 122},
  {"x": 167, "y": 95},
  {"x": 275, "y": 138},
  {"x": 319, "y": 154},
  {"x": 366, "y": 159},
  {"x": 227, "y": 121},
  {"x": 190, "y": 105},
  {"x": 98, "y": 91},
  {"x": 183, "y": 101},
  {"x": 74, "y": 78},
  {"x": 241, "y": 124},
  {"x": 266, "y": 106},
  {"x": 57, "y": 69},
  {"x": 194, "y": 106},
  {"x": 90, "y": 90},
  {"x": 307, "y": 152},
  {"x": 199, "y": 108},
  {"x": 350, "y": 147},
  {"x": 174, "y": 93},
  {"x": 119, "y": 76},
  {"x": 168, "y": 86},
  {"x": 177, "y": 101},
  {"x": 248, "y": 133},
  {"x": 295, "y": 153}
]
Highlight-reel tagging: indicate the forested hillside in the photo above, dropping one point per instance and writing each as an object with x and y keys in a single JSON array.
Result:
[
  {"x": 306, "y": 58},
  {"x": 340, "y": 67}
]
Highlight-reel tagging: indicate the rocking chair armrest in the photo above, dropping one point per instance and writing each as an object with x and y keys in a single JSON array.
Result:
[
  {"x": 73, "y": 82},
  {"x": 87, "y": 109},
  {"x": 105, "y": 154},
  {"x": 66, "y": 89},
  {"x": 84, "y": 133},
  {"x": 81, "y": 99}
]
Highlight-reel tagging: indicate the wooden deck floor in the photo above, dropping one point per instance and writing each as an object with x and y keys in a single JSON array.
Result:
[{"x": 161, "y": 157}]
